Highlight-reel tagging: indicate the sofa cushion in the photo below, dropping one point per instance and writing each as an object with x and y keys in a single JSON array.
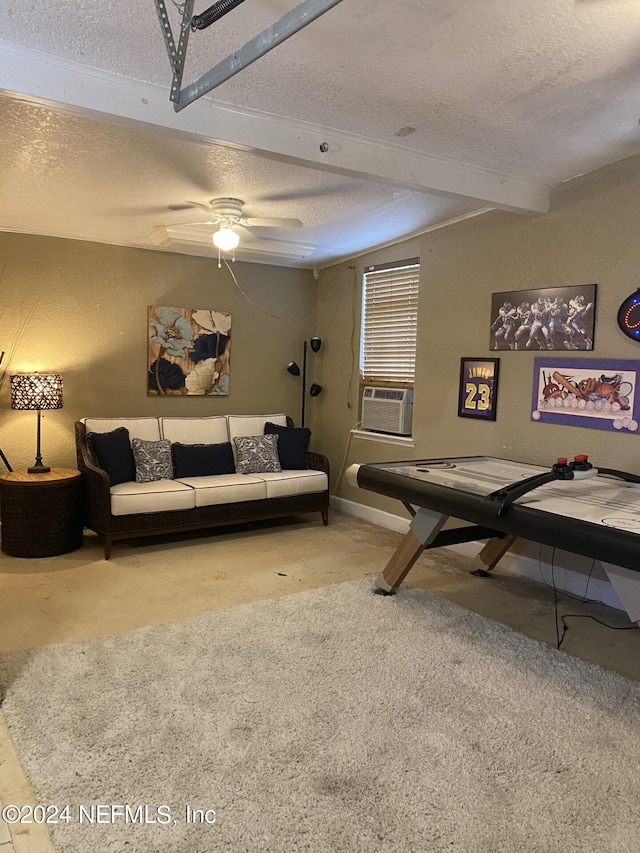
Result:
[
  {"x": 147, "y": 428},
  {"x": 226, "y": 488},
  {"x": 205, "y": 430},
  {"x": 153, "y": 460},
  {"x": 113, "y": 452},
  {"x": 201, "y": 460},
  {"x": 256, "y": 454},
  {"x": 251, "y": 424},
  {"x": 156, "y": 496},
  {"x": 289, "y": 483},
  {"x": 293, "y": 443},
  {"x": 239, "y": 425}
]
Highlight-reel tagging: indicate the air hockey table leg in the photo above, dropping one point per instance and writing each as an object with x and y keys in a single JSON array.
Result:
[
  {"x": 491, "y": 554},
  {"x": 626, "y": 583},
  {"x": 423, "y": 529}
]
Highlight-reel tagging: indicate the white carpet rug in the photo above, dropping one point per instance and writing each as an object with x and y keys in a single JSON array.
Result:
[{"x": 332, "y": 720}]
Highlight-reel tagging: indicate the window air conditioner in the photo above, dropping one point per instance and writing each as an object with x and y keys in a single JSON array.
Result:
[{"x": 387, "y": 410}]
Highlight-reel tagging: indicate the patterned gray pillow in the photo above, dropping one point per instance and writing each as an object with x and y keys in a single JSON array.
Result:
[
  {"x": 153, "y": 460},
  {"x": 257, "y": 454}
]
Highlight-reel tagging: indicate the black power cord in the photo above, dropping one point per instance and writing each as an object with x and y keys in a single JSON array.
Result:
[
  {"x": 583, "y": 600},
  {"x": 565, "y": 627}
]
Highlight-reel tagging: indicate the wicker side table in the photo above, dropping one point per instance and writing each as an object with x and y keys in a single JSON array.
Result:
[{"x": 41, "y": 513}]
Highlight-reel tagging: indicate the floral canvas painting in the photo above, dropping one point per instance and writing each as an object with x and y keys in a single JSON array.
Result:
[{"x": 188, "y": 353}]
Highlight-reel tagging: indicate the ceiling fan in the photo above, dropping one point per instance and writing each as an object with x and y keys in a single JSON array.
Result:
[{"x": 227, "y": 213}]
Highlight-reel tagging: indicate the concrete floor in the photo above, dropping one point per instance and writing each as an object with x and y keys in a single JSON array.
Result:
[{"x": 151, "y": 581}]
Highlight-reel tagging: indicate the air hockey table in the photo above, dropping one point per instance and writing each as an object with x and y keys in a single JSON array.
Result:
[{"x": 573, "y": 506}]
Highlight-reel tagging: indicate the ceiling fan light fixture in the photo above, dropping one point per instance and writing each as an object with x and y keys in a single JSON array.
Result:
[{"x": 225, "y": 239}]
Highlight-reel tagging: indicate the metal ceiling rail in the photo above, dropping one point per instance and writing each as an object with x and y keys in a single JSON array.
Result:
[{"x": 289, "y": 24}]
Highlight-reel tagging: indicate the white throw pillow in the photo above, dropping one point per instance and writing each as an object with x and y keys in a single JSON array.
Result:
[
  {"x": 257, "y": 454},
  {"x": 153, "y": 460}
]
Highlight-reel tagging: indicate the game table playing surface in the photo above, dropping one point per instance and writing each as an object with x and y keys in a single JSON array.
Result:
[{"x": 597, "y": 517}]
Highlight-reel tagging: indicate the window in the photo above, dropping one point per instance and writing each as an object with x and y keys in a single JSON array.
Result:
[{"x": 390, "y": 324}]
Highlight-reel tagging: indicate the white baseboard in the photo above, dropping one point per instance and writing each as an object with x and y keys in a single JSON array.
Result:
[
  {"x": 565, "y": 580},
  {"x": 369, "y": 513}
]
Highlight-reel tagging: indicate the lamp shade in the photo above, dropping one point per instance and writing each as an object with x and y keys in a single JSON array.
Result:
[
  {"x": 225, "y": 239},
  {"x": 36, "y": 391}
]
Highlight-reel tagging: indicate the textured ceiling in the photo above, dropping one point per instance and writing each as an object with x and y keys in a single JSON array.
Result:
[{"x": 433, "y": 109}]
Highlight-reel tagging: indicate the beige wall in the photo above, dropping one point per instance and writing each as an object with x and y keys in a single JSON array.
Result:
[
  {"x": 591, "y": 235},
  {"x": 88, "y": 320},
  {"x": 89, "y": 306}
]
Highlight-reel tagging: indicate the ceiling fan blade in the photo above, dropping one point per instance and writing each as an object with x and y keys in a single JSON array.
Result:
[
  {"x": 245, "y": 235},
  {"x": 197, "y": 222},
  {"x": 271, "y": 223}
]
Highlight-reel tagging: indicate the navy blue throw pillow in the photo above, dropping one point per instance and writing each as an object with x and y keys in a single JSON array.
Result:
[
  {"x": 201, "y": 460},
  {"x": 293, "y": 443},
  {"x": 114, "y": 454}
]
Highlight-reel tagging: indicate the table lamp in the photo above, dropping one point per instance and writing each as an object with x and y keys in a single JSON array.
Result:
[{"x": 35, "y": 392}]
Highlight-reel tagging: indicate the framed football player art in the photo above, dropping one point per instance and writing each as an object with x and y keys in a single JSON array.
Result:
[
  {"x": 477, "y": 396},
  {"x": 548, "y": 318}
]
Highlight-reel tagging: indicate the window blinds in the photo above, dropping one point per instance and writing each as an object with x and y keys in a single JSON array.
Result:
[{"x": 390, "y": 323}]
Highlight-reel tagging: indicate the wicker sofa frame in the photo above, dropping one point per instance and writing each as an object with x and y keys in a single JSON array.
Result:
[{"x": 98, "y": 516}]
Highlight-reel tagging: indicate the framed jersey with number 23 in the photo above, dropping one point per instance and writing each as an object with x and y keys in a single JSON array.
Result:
[{"x": 478, "y": 388}]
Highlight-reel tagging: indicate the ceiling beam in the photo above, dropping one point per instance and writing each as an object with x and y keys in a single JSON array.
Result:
[{"x": 91, "y": 93}]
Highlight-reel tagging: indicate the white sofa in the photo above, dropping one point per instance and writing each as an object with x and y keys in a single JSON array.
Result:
[{"x": 132, "y": 509}]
